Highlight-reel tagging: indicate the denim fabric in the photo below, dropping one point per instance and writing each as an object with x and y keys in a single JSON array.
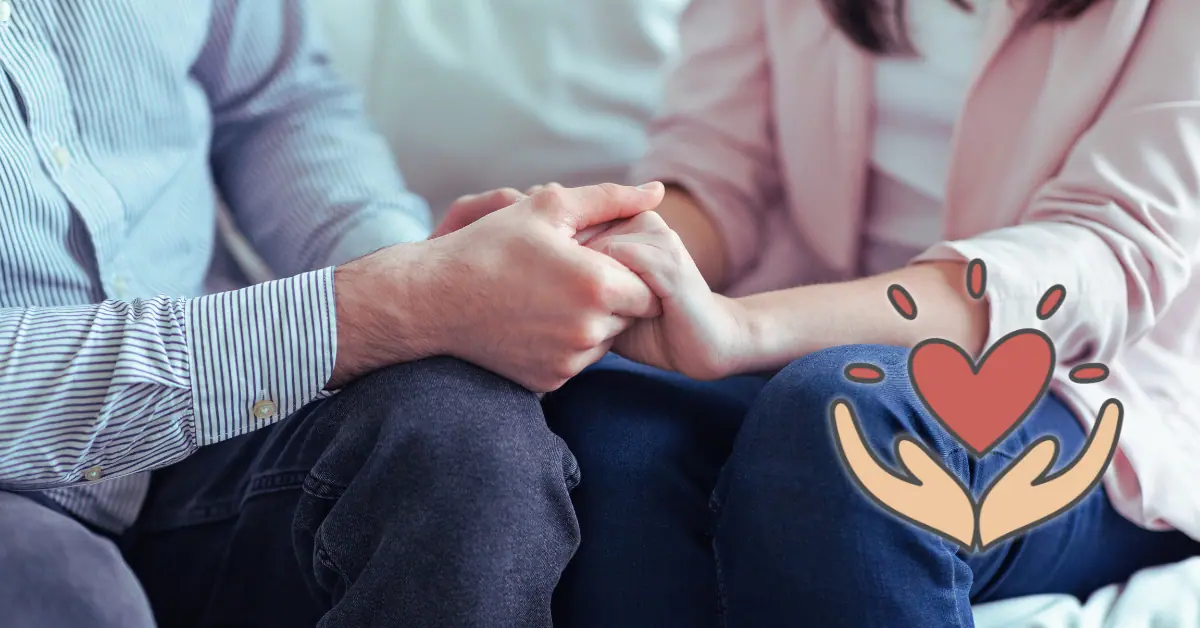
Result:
[
  {"x": 428, "y": 494},
  {"x": 725, "y": 504},
  {"x": 57, "y": 573}
]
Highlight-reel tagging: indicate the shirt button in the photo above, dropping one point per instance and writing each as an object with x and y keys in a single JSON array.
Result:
[
  {"x": 264, "y": 409},
  {"x": 5, "y": 12},
  {"x": 119, "y": 288},
  {"x": 62, "y": 156},
  {"x": 93, "y": 474}
]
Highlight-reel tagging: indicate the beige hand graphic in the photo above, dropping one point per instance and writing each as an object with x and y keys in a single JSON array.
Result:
[
  {"x": 1022, "y": 497},
  {"x": 936, "y": 501}
]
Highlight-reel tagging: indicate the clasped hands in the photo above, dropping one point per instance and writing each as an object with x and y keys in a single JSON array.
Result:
[{"x": 632, "y": 285}]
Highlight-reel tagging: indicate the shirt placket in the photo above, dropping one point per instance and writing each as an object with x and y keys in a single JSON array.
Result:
[{"x": 34, "y": 69}]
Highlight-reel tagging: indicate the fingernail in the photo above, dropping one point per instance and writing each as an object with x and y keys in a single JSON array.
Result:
[{"x": 650, "y": 186}]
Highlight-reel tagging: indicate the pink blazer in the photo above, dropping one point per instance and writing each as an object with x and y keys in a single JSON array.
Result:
[{"x": 1076, "y": 162}]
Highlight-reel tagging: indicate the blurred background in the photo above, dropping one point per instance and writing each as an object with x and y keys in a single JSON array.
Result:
[
  {"x": 474, "y": 95},
  {"x": 479, "y": 94}
]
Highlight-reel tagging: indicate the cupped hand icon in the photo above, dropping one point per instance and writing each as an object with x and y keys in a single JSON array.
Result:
[
  {"x": 931, "y": 497},
  {"x": 1025, "y": 495}
]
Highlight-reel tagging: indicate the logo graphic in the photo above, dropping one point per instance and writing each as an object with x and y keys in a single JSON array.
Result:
[{"x": 979, "y": 404}]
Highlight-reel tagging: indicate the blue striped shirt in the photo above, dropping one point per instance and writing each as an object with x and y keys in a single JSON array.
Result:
[{"x": 123, "y": 124}]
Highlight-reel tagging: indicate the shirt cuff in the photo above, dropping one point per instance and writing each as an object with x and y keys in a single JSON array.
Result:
[
  {"x": 377, "y": 230},
  {"x": 260, "y": 354},
  {"x": 1024, "y": 262}
]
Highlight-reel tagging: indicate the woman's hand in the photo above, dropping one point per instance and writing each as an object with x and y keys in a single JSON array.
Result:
[
  {"x": 700, "y": 334},
  {"x": 467, "y": 209}
]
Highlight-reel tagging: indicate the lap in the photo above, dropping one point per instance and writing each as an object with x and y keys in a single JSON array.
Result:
[
  {"x": 650, "y": 444},
  {"x": 760, "y": 435},
  {"x": 626, "y": 414},
  {"x": 54, "y": 572},
  {"x": 229, "y": 532}
]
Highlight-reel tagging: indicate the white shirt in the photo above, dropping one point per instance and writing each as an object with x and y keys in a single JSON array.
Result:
[{"x": 918, "y": 100}]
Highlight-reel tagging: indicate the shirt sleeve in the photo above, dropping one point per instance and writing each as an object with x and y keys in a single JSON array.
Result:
[
  {"x": 1117, "y": 226},
  {"x": 106, "y": 390},
  {"x": 715, "y": 135},
  {"x": 307, "y": 178}
]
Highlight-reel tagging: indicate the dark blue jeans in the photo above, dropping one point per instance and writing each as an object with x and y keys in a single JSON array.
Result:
[
  {"x": 725, "y": 504},
  {"x": 427, "y": 494}
]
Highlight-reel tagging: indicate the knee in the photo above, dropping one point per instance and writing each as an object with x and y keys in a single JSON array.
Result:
[
  {"x": 57, "y": 573},
  {"x": 792, "y": 415},
  {"x": 451, "y": 419},
  {"x": 808, "y": 386}
]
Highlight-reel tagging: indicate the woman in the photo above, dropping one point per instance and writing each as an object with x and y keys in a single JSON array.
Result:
[{"x": 820, "y": 152}]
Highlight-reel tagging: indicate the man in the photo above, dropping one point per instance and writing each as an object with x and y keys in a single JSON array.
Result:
[{"x": 425, "y": 492}]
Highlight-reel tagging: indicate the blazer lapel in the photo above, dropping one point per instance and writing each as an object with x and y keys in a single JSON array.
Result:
[
  {"x": 826, "y": 135},
  {"x": 1035, "y": 94}
]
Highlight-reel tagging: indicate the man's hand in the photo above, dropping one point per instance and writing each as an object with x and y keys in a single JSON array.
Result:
[
  {"x": 513, "y": 292},
  {"x": 700, "y": 333}
]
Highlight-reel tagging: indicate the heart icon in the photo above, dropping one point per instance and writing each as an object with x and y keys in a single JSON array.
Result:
[{"x": 980, "y": 404}]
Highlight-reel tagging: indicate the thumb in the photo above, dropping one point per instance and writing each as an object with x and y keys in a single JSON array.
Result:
[{"x": 597, "y": 204}]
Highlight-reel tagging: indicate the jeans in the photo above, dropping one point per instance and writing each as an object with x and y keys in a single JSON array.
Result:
[
  {"x": 427, "y": 494},
  {"x": 726, "y": 504}
]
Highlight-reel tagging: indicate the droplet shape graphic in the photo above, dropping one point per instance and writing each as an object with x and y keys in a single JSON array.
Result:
[
  {"x": 902, "y": 301},
  {"x": 1090, "y": 373},
  {"x": 976, "y": 278},
  {"x": 1051, "y": 301},
  {"x": 863, "y": 373}
]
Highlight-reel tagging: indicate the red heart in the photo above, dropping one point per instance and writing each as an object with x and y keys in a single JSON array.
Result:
[{"x": 980, "y": 405}]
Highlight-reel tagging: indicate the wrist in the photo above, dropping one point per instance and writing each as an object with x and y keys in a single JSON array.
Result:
[
  {"x": 743, "y": 346},
  {"x": 386, "y": 311},
  {"x": 760, "y": 345}
]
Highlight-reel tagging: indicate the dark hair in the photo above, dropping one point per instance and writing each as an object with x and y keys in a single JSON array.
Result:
[{"x": 879, "y": 25}]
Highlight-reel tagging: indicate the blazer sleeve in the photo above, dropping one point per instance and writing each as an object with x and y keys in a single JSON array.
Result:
[
  {"x": 1119, "y": 224},
  {"x": 714, "y": 136}
]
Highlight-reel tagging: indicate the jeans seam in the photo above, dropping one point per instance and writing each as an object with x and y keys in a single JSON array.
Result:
[
  {"x": 326, "y": 560},
  {"x": 574, "y": 474},
  {"x": 715, "y": 507},
  {"x": 953, "y": 554},
  {"x": 952, "y": 551},
  {"x": 321, "y": 489},
  {"x": 274, "y": 482}
]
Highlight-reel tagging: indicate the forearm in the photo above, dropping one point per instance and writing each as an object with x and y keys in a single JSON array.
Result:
[
  {"x": 699, "y": 234},
  {"x": 122, "y": 387},
  {"x": 787, "y": 324}
]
